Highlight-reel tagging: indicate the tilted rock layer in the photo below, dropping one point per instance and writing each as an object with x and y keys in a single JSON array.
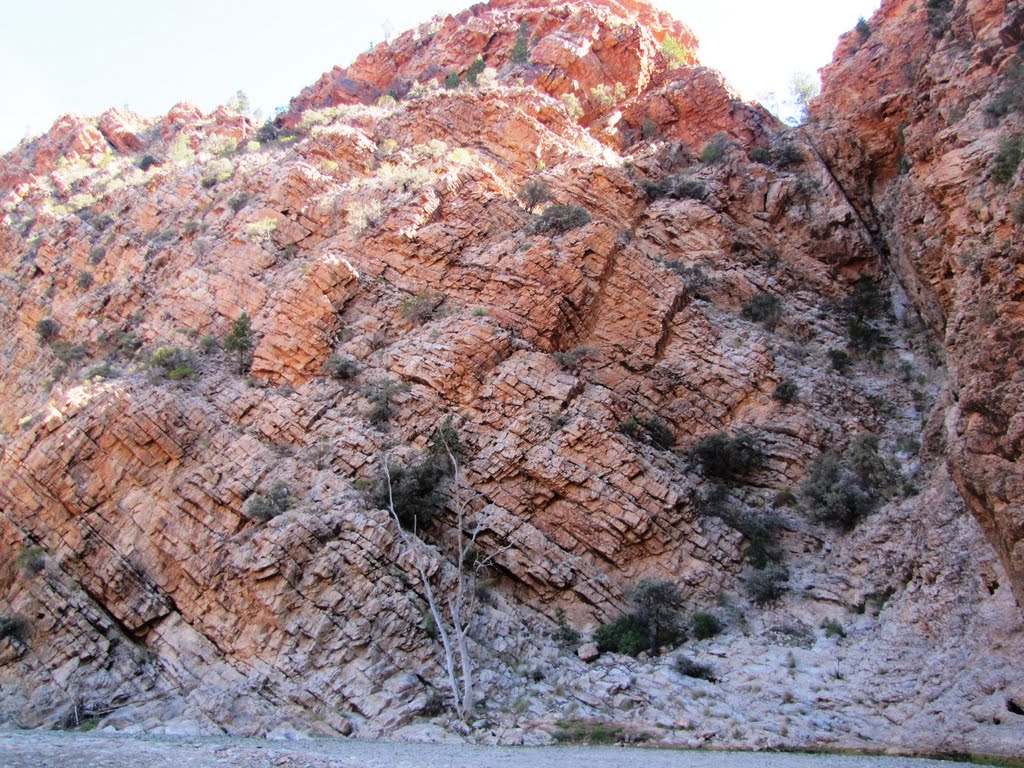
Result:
[{"x": 396, "y": 275}]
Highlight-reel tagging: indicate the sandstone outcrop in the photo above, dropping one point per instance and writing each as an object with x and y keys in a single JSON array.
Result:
[{"x": 395, "y": 277}]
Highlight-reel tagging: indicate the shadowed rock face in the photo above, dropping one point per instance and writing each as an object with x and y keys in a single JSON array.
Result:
[
  {"x": 580, "y": 362},
  {"x": 911, "y": 121}
]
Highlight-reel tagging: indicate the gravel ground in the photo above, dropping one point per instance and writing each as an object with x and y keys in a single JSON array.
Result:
[{"x": 62, "y": 750}]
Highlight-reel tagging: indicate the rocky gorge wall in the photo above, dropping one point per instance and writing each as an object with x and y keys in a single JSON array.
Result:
[{"x": 395, "y": 277}]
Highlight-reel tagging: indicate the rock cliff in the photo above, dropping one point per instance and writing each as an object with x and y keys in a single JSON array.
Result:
[{"x": 606, "y": 270}]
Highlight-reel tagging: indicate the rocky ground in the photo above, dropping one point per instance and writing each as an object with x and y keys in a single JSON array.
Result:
[{"x": 39, "y": 750}]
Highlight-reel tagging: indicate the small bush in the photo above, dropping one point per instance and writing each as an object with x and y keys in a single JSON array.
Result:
[
  {"x": 571, "y": 360},
  {"x": 217, "y": 171},
  {"x": 381, "y": 395},
  {"x": 863, "y": 28},
  {"x": 938, "y": 12},
  {"x": 341, "y": 367},
  {"x": 147, "y": 162},
  {"x": 1004, "y": 165},
  {"x": 47, "y": 329},
  {"x": 675, "y": 54},
  {"x": 13, "y": 627},
  {"x": 102, "y": 222},
  {"x": 572, "y": 105},
  {"x": 475, "y": 70},
  {"x": 85, "y": 280},
  {"x": 728, "y": 458},
  {"x": 261, "y": 231},
  {"x": 630, "y": 428},
  {"x": 561, "y": 218},
  {"x": 533, "y": 193},
  {"x": 363, "y": 215},
  {"x": 238, "y": 201},
  {"x": 649, "y": 129},
  {"x": 422, "y": 307},
  {"x": 173, "y": 362},
  {"x": 833, "y": 628},
  {"x": 705, "y": 625},
  {"x": 415, "y": 491},
  {"x": 714, "y": 150},
  {"x": 268, "y": 504},
  {"x": 866, "y": 301},
  {"x": 761, "y": 155},
  {"x": 69, "y": 353},
  {"x": 587, "y": 732},
  {"x": 240, "y": 341},
  {"x": 687, "y": 667},
  {"x": 659, "y": 433},
  {"x": 786, "y": 392},
  {"x": 656, "y": 604},
  {"x": 840, "y": 360},
  {"x": 209, "y": 344},
  {"x": 676, "y": 188},
  {"x": 451, "y": 80},
  {"x": 30, "y": 561},
  {"x": 767, "y": 585},
  {"x": 96, "y": 255},
  {"x": 787, "y": 155},
  {"x": 624, "y": 635},
  {"x": 765, "y": 309},
  {"x": 841, "y": 490},
  {"x": 565, "y": 635}
]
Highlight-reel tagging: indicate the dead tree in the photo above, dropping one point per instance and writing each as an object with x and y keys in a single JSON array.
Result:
[{"x": 453, "y": 617}]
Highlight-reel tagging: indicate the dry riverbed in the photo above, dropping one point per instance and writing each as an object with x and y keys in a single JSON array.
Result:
[{"x": 40, "y": 749}]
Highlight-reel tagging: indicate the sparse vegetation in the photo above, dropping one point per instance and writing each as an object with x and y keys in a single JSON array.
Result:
[
  {"x": 687, "y": 667},
  {"x": 414, "y": 491},
  {"x": 863, "y": 28},
  {"x": 659, "y": 432},
  {"x": 833, "y": 628},
  {"x": 676, "y": 188},
  {"x": 13, "y": 627},
  {"x": 786, "y": 392},
  {"x": 675, "y": 54},
  {"x": 572, "y": 105},
  {"x": 381, "y": 395},
  {"x": 475, "y": 70},
  {"x": 572, "y": 359},
  {"x": 268, "y": 504},
  {"x": 767, "y": 585},
  {"x": 173, "y": 362},
  {"x": 521, "y": 49},
  {"x": 565, "y": 635},
  {"x": 1007, "y": 159},
  {"x": 422, "y": 307},
  {"x": 726, "y": 457},
  {"x": 238, "y": 201},
  {"x": 533, "y": 193},
  {"x": 364, "y": 214},
  {"x": 714, "y": 150},
  {"x": 85, "y": 280},
  {"x": 261, "y": 231},
  {"x": 47, "y": 330},
  {"x": 561, "y": 218},
  {"x": 841, "y": 490},
  {"x": 341, "y": 367},
  {"x": 30, "y": 561},
  {"x": 624, "y": 635},
  {"x": 586, "y": 732},
  {"x": 938, "y": 13},
  {"x": 705, "y": 625},
  {"x": 765, "y": 309},
  {"x": 840, "y": 360}
]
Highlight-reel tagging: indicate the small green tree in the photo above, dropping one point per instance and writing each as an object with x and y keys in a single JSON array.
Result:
[
  {"x": 657, "y": 603},
  {"x": 451, "y": 80},
  {"x": 475, "y": 70},
  {"x": 521, "y": 50},
  {"x": 240, "y": 341}
]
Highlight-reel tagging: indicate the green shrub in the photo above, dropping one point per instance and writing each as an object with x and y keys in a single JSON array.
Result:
[
  {"x": 415, "y": 491},
  {"x": 102, "y": 222},
  {"x": 714, "y": 150},
  {"x": 694, "y": 277},
  {"x": 786, "y": 392},
  {"x": 786, "y": 155},
  {"x": 866, "y": 301},
  {"x": 96, "y": 255},
  {"x": 13, "y": 627},
  {"x": 1004, "y": 165},
  {"x": 705, "y": 625},
  {"x": 268, "y": 504},
  {"x": 381, "y": 395},
  {"x": 840, "y": 360},
  {"x": 863, "y": 28},
  {"x": 571, "y": 360},
  {"x": 30, "y": 560},
  {"x": 565, "y": 635},
  {"x": 561, "y": 218},
  {"x": 676, "y": 188},
  {"x": 728, "y": 458},
  {"x": 656, "y": 608},
  {"x": 69, "y": 353},
  {"x": 451, "y": 80},
  {"x": 833, "y": 628},
  {"x": 659, "y": 433},
  {"x": 648, "y": 128},
  {"x": 85, "y": 280},
  {"x": 587, "y": 732},
  {"x": 422, "y": 307},
  {"x": 767, "y": 585},
  {"x": 475, "y": 70},
  {"x": 630, "y": 428},
  {"x": 761, "y": 155},
  {"x": 47, "y": 329},
  {"x": 765, "y": 309},
  {"x": 687, "y": 667},
  {"x": 173, "y": 362},
  {"x": 1011, "y": 98},
  {"x": 238, "y": 201},
  {"x": 572, "y": 105},
  {"x": 533, "y": 193},
  {"x": 841, "y": 490},
  {"x": 147, "y": 162},
  {"x": 675, "y": 54},
  {"x": 938, "y": 12},
  {"x": 624, "y": 635},
  {"x": 341, "y": 367}
]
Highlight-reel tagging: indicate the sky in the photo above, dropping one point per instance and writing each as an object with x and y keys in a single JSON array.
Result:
[{"x": 71, "y": 56}]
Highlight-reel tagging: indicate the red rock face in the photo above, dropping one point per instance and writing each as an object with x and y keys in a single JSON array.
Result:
[
  {"x": 394, "y": 277},
  {"x": 909, "y": 122}
]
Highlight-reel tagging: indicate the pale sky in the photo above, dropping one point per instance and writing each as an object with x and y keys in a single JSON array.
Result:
[{"x": 72, "y": 56}]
